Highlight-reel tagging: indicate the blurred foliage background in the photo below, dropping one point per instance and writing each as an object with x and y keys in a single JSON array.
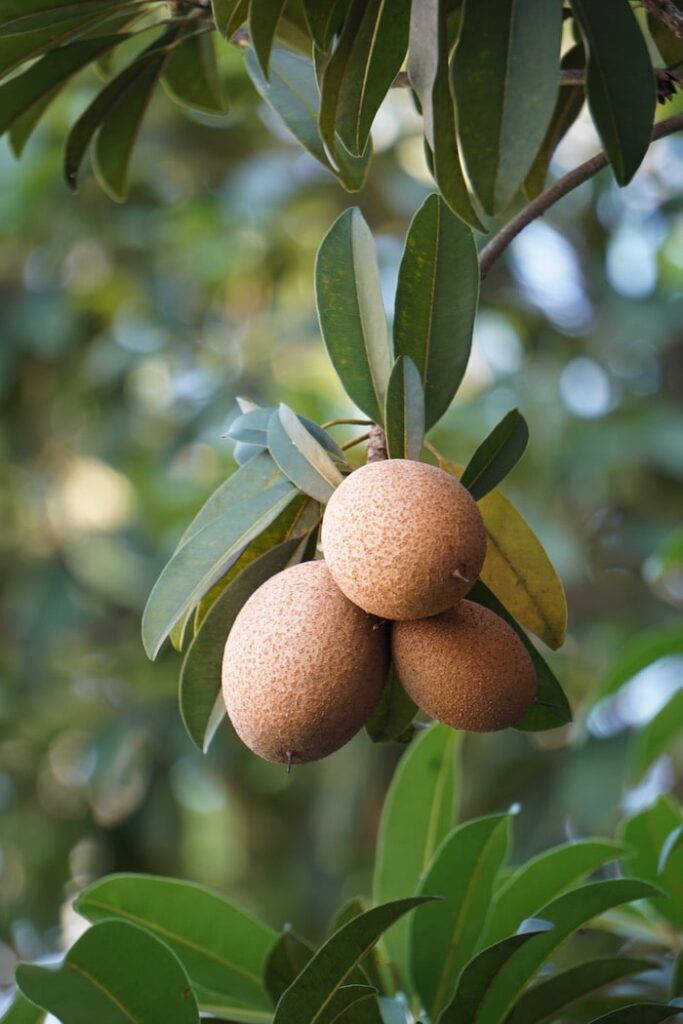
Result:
[{"x": 127, "y": 332}]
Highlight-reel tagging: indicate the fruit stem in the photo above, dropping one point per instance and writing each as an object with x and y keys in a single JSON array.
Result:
[{"x": 377, "y": 445}]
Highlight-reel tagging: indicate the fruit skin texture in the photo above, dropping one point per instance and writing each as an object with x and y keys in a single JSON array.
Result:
[
  {"x": 303, "y": 668},
  {"x": 465, "y": 667},
  {"x": 403, "y": 540}
]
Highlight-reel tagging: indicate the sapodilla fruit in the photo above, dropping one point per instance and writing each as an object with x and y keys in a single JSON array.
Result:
[
  {"x": 303, "y": 667},
  {"x": 465, "y": 667},
  {"x": 402, "y": 539}
]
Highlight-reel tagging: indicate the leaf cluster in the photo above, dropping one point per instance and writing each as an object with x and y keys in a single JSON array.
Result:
[{"x": 453, "y": 934}]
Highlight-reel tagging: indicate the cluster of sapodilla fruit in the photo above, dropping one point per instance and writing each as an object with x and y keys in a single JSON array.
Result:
[{"x": 308, "y": 654}]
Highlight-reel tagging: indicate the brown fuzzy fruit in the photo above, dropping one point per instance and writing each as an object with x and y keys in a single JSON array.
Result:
[
  {"x": 403, "y": 540},
  {"x": 303, "y": 668},
  {"x": 465, "y": 667}
]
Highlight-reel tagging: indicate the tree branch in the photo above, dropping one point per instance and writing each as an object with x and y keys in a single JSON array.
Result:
[
  {"x": 668, "y": 13},
  {"x": 490, "y": 253},
  {"x": 568, "y": 76}
]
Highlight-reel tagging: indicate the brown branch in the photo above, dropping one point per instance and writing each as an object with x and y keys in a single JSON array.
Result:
[
  {"x": 668, "y": 13},
  {"x": 377, "y": 445},
  {"x": 557, "y": 190}
]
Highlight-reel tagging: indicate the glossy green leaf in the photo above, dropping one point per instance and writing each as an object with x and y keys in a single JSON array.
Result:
[
  {"x": 551, "y": 707},
  {"x": 191, "y": 75},
  {"x": 394, "y": 713},
  {"x": 200, "y": 676},
  {"x": 517, "y": 569},
  {"x": 672, "y": 846},
  {"x": 543, "y": 878},
  {"x": 301, "y": 458},
  {"x": 622, "y": 106},
  {"x": 639, "y": 652},
  {"x": 436, "y": 301},
  {"x": 505, "y": 78},
  {"x": 443, "y": 936},
  {"x": 203, "y": 559},
  {"x": 229, "y": 15},
  {"x": 22, "y": 1011},
  {"x": 351, "y": 312},
  {"x": 546, "y": 999},
  {"x": 29, "y": 19},
  {"x": 325, "y": 20},
  {"x": 24, "y": 126},
  {"x": 404, "y": 411},
  {"x": 344, "y": 999},
  {"x": 220, "y": 947},
  {"x": 368, "y": 968},
  {"x": 55, "y": 69},
  {"x": 116, "y": 90},
  {"x": 429, "y": 76},
  {"x": 378, "y": 50},
  {"x": 15, "y": 49},
  {"x": 307, "y": 999},
  {"x": 264, "y": 16},
  {"x": 114, "y": 974},
  {"x": 566, "y": 913},
  {"x": 568, "y": 106},
  {"x": 292, "y": 92},
  {"x": 120, "y": 126},
  {"x": 230, "y": 1010},
  {"x": 644, "y": 835},
  {"x": 252, "y": 427},
  {"x": 419, "y": 811},
  {"x": 284, "y": 962},
  {"x": 655, "y": 738},
  {"x": 496, "y": 455},
  {"x": 479, "y": 976},
  {"x": 639, "y": 1013},
  {"x": 333, "y": 71}
]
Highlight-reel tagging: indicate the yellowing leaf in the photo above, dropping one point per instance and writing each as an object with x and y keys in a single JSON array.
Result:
[{"x": 519, "y": 572}]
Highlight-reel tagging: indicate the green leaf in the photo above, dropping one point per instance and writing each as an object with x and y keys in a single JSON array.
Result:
[
  {"x": 639, "y": 1013},
  {"x": 229, "y": 15},
  {"x": 639, "y": 652},
  {"x": 93, "y": 116},
  {"x": 429, "y": 76},
  {"x": 300, "y": 457},
  {"x": 369, "y": 968},
  {"x": 479, "y": 976},
  {"x": 644, "y": 835},
  {"x": 324, "y": 20},
  {"x": 22, "y": 1011},
  {"x": 351, "y": 312},
  {"x": 285, "y": 961},
  {"x": 567, "y": 913},
  {"x": 443, "y": 936},
  {"x": 55, "y": 69},
  {"x": 569, "y": 103},
  {"x": 334, "y": 71},
  {"x": 264, "y": 16},
  {"x": 622, "y": 106},
  {"x": 292, "y": 92},
  {"x": 656, "y": 737},
  {"x": 226, "y": 1009},
  {"x": 200, "y": 676},
  {"x": 308, "y": 998},
  {"x": 394, "y": 713},
  {"x": 191, "y": 75},
  {"x": 677, "y": 979},
  {"x": 419, "y": 810},
  {"x": 404, "y": 413},
  {"x": 114, "y": 974},
  {"x": 517, "y": 569},
  {"x": 546, "y": 999},
  {"x": 205, "y": 557},
  {"x": 669, "y": 45},
  {"x": 121, "y": 125},
  {"x": 505, "y": 78},
  {"x": 252, "y": 427},
  {"x": 341, "y": 1002},
  {"x": 542, "y": 878},
  {"x": 551, "y": 707},
  {"x": 436, "y": 301},
  {"x": 496, "y": 455},
  {"x": 24, "y": 126},
  {"x": 220, "y": 947},
  {"x": 53, "y": 16},
  {"x": 375, "y": 58}
]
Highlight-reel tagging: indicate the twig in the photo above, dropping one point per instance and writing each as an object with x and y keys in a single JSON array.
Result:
[
  {"x": 568, "y": 76},
  {"x": 352, "y": 423},
  {"x": 356, "y": 440},
  {"x": 557, "y": 190},
  {"x": 377, "y": 445},
  {"x": 668, "y": 13}
]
